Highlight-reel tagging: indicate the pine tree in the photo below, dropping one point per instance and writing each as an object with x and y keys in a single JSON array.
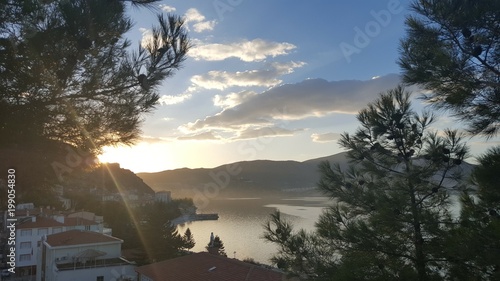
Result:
[
  {"x": 68, "y": 74},
  {"x": 218, "y": 245},
  {"x": 391, "y": 206},
  {"x": 70, "y": 82},
  {"x": 452, "y": 49},
  {"x": 188, "y": 240},
  {"x": 160, "y": 238},
  {"x": 474, "y": 247},
  {"x": 171, "y": 243}
]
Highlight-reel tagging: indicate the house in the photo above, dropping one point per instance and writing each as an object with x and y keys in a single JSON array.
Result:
[
  {"x": 80, "y": 255},
  {"x": 33, "y": 224},
  {"x": 204, "y": 266},
  {"x": 163, "y": 196}
]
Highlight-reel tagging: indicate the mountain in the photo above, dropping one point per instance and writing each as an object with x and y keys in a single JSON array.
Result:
[
  {"x": 242, "y": 178},
  {"x": 110, "y": 178},
  {"x": 248, "y": 178}
]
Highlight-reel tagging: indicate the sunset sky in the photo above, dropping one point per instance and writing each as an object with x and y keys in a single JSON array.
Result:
[{"x": 276, "y": 80}]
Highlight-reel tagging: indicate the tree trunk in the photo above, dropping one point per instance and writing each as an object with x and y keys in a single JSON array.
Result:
[{"x": 418, "y": 240}]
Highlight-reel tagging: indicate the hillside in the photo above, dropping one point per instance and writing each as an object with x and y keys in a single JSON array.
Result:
[
  {"x": 248, "y": 178},
  {"x": 111, "y": 178},
  {"x": 242, "y": 178}
]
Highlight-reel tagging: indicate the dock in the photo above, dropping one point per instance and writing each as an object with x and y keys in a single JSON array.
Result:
[{"x": 194, "y": 217}]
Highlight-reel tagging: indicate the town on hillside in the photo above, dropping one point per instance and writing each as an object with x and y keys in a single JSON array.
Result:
[{"x": 135, "y": 239}]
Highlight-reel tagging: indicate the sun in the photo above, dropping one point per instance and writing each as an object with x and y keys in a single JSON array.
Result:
[{"x": 142, "y": 157}]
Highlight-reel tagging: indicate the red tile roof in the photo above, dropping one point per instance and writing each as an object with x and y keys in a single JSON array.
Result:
[
  {"x": 42, "y": 222},
  {"x": 204, "y": 266},
  {"x": 79, "y": 237}
]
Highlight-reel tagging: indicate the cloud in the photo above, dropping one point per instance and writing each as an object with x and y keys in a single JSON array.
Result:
[
  {"x": 200, "y": 25},
  {"x": 147, "y": 36},
  {"x": 152, "y": 140},
  {"x": 206, "y": 25},
  {"x": 201, "y": 136},
  {"x": 171, "y": 100},
  {"x": 252, "y": 133},
  {"x": 266, "y": 77},
  {"x": 309, "y": 98},
  {"x": 254, "y": 50},
  {"x": 327, "y": 137},
  {"x": 194, "y": 15},
  {"x": 233, "y": 99},
  {"x": 167, "y": 9}
]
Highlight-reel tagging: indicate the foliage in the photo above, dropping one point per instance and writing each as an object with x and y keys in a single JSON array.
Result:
[
  {"x": 188, "y": 240},
  {"x": 160, "y": 238},
  {"x": 218, "y": 245},
  {"x": 68, "y": 74},
  {"x": 452, "y": 48},
  {"x": 146, "y": 229},
  {"x": 69, "y": 81},
  {"x": 475, "y": 245},
  {"x": 391, "y": 206}
]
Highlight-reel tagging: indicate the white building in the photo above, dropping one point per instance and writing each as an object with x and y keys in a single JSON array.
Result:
[
  {"x": 163, "y": 196},
  {"x": 80, "y": 255},
  {"x": 32, "y": 226}
]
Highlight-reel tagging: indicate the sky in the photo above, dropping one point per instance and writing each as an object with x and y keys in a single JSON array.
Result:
[{"x": 277, "y": 80}]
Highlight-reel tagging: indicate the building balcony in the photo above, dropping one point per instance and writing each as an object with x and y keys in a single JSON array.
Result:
[{"x": 97, "y": 263}]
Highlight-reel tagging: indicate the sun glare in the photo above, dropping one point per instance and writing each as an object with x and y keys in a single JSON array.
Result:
[{"x": 137, "y": 158}]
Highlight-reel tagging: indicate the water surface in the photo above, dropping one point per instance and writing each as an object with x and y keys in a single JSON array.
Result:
[{"x": 241, "y": 220}]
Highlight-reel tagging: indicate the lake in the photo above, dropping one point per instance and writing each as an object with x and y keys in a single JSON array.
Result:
[{"x": 241, "y": 220}]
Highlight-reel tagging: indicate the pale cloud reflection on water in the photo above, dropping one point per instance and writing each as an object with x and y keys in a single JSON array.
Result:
[{"x": 241, "y": 220}]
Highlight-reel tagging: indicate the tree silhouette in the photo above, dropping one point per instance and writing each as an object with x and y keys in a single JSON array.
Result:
[
  {"x": 159, "y": 236},
  {"x": 68, "y": 74},
  {"x": 218, "y": 245},
  {"x": 452, "y": 48},
  {"x": 474, "y": 245},
  {"x": 71, "y": 84},
  {"x": 188, "y": 239},
  {"x": 391, "y": 205}
]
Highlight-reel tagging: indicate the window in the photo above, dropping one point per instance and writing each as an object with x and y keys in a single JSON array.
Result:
[
  {"x": 43, "y": 231},
  {"x": 25, "y": 257},
  {"x": 25, "y": 232},
  {"x": 25, "y": 245},
  {"x": 87, "y": 227},
  {"x": 100, "y": 278}
]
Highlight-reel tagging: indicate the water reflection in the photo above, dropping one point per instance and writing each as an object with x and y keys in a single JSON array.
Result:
[{"x": 240, "y": 224}]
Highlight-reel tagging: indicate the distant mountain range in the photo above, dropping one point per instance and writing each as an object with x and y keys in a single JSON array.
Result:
[
  {"x": 243, "y": 178},
  {"x": 248, "y": 178}
]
